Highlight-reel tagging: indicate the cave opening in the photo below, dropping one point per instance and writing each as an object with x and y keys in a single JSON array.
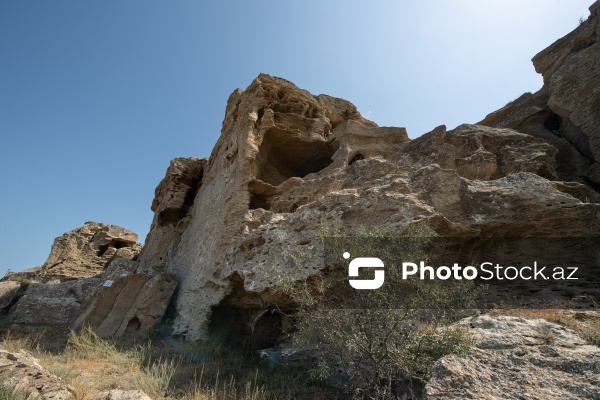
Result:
[
  {"x": 283, "y": 155},
  {"x": 259, "y": 200},
  {"x": 236, "y": 327},
  {"x": 118, "y": 244},
  {"x": 133, "y": 325},
  {"x": 114, "y": 243},
  {"x": 356, "y": 158},
  {"x": 260, "y": 195}
]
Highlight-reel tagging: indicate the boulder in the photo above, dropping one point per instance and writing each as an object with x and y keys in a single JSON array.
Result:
[
  {"x": 52, "y": 305},
  {"x": 518, "y": 358},
  {"x": 130, "y": 300},
  {"x": 9, "y": 290},
  {"x": 23, "y": 372}
]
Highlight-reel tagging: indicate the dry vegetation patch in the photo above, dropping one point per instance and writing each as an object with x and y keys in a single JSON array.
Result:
[{"x": 194, "y": 372}]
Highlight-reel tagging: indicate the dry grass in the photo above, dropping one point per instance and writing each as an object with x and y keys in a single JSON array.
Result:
[
  {"x": 92, "y": 365},
  {"x": 9, "y": 392},
  {"x": 205, "y": 371}
]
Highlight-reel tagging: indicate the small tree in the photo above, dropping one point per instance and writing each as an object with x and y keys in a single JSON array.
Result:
[{"x": 385, "y": 340}]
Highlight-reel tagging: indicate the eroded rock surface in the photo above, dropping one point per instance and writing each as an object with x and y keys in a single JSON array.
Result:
[
  {"x": 46, "y": 299},
  {"x": 130, "y": 299},
  {"x": 48, "y": 308},
  {"x": 274, "y": 136},
  {"x": 566, "y": 111},
  {"x": 26, "y": 375},
  {"x": 8, "y": 293},
  {"x": 84, "y": 252},
  {"x": 290, "y": 166},
  {"x": 516, "y": 358},
  {"x": 173, "y": 199}
]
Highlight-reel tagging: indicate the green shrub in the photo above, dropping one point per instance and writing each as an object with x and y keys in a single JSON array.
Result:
[{"x": 384, "y": 341}]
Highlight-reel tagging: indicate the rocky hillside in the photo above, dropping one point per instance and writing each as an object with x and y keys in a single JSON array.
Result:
[
  {"x": 84, "y": 252},
  {"x": 45, "y": 299},
  {"x": 289, "y": 162},
  {"x": 291, "y": 166}
]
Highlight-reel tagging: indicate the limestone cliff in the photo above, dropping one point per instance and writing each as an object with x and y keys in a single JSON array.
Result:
[{"x": 289, "y": 164}]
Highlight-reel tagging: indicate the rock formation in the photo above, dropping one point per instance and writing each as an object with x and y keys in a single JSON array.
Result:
[
  {"x": 22, "y": 372},
  {"x": 9, "y": 290},
  {"x": 518, "y": 358},
  {"x": 566, "y": 111},
  {"x": 50, "y": 307},
  {"x": 84, "y": 252},
  {"x": 290, "y": 165},
  {"x": 290, "y": 168},
  {"x": 275, "y": 136},
  {"x": 47, "y": 298},
  {"x": 130, "y": 300}
]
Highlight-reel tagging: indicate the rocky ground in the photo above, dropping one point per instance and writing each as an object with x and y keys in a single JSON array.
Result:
[{"x": 519, "y": 358}]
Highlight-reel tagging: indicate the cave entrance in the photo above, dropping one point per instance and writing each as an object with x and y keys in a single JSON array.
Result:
[
  {"x": 282, "y": 156},
  {"x": 133, "y": 326},
  {"x": 245, "y": 328},
  {"x": 114, "y": 243}
]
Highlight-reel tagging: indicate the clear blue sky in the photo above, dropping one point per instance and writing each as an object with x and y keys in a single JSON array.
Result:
[{"x": 97, "y": 96}]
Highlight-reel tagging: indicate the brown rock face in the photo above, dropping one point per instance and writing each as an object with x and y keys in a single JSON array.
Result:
[
  {"x": 66, "y": 280},
  {"x": 289, "y": 166},
  {"x": 129, "y": 299},
  {"x": 566, "y": 111},
  {"x": 274, "y": 136},
  {"x": 84, "y": 252},
  {"x": 50, "y": 307},
  {"x": 173, "y": 200}
]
